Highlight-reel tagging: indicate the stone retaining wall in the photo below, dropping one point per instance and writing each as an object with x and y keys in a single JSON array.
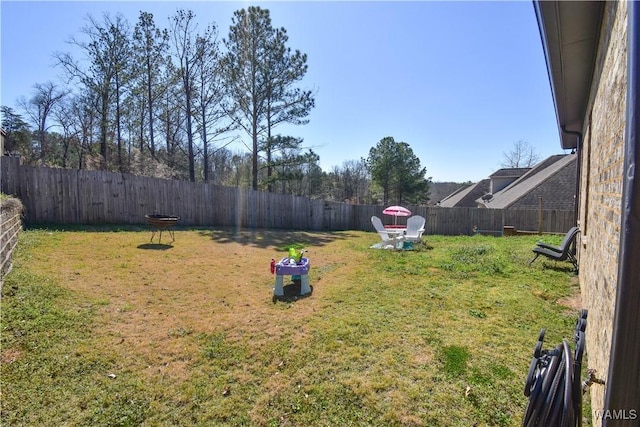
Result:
[{"x": 10, "y": 227}]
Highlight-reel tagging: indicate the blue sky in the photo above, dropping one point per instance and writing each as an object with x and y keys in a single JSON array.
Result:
[{"x": 460, "y": 82}]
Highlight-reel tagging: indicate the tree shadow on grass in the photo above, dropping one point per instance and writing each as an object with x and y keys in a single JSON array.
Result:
[
  {"x": 257, "y": 238},
  {"x": 279, "y": 239}
]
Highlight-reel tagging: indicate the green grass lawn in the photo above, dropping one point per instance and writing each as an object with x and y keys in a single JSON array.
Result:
[{"x": 99, "y": 328}]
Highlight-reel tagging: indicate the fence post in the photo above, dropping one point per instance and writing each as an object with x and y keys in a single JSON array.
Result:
[{"x": 540, "y": 224}]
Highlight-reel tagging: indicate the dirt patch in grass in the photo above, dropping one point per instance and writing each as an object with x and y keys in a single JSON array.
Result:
[
  {"x": 10, "y": 356},
  {"x": 573, "y": 301}
]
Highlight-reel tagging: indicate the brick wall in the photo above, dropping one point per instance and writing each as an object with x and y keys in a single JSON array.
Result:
[{"x": 601, "y": 192}]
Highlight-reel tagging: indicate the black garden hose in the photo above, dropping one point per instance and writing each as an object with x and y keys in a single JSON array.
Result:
[{"x": 553, "y": 384}]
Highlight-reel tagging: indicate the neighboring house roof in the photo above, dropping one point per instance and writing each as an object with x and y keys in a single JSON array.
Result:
[
  {"x": 440, "y": 190},
  {"x": 509, "y": 173},
  {"x": 466, "y": 197},
  {"x": 553, "y": 179}
]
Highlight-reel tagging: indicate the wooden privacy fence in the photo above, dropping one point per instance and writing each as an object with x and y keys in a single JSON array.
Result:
[{"x": 67, "y": 196}]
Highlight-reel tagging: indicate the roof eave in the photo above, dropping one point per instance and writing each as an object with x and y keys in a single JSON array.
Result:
[{"x": 569, "y": 33}]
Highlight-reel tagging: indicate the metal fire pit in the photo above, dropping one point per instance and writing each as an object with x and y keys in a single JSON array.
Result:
[{"x": 161, "y": 223}]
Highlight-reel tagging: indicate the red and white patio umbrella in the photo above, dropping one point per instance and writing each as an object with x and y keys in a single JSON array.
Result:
[{"x": 397, "y": 211}]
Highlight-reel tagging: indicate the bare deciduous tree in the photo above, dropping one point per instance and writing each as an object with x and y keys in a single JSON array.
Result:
[
  {"x": 107, "y": 53},
  {"x": 522, "y": 155},
  {"x": 212, "y": 118},
  {"x": 183, "y": 35},
  {"x": 150, "y": 46},
  {"x": 39, "y": 107}
]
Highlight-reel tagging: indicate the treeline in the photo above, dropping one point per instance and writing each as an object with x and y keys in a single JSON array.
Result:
[{"x": 167, "y": 102}]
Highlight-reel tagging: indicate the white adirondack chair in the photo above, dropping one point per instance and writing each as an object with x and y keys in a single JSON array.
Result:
[
  {"x": 390, "y": 239},
  {"x": 415, "y": 228}
]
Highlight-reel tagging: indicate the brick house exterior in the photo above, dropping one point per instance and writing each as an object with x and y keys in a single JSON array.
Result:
[{"x": 592, "y": 57}]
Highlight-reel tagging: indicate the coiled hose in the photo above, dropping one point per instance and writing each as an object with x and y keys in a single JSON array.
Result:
[{"x": 553, "y": 385}]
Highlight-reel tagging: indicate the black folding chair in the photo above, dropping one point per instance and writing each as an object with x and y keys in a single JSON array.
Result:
[{"x": 565, "y": 252}]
